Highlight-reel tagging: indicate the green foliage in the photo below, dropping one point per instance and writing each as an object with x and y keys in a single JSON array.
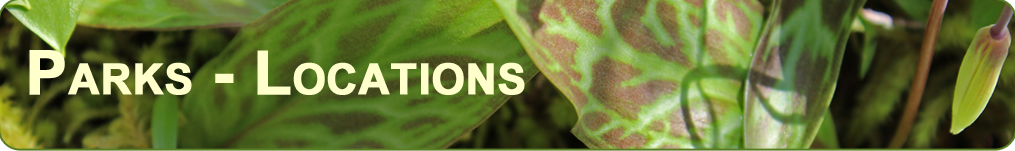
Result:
[
  {"x": 538, "y": 118},
  {"x": 176, "y": 14},
  {"x": 12, "y": 131},
  {"x": 916, "y": 9},
  {"x": 794, "y": 72},
  {"x": 957, "y": 30},
  {"x": 164, "y": 122},
  {"x": 877, "y": 100},
  {"x": 827, "y": 133},
  {"x": 937, "y": 106},
  {"x": 356, "y": 32},
  {"x": 52, "y": 20},
  {"x": 870, "y": 45},
  {"x": 639, "y": 74},
  {"x": 131, "y": 129},
  {"x": 665, "y": 74}
]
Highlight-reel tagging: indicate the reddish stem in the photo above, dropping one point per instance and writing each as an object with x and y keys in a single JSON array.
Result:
[
  {"x": 1002, "y": 23},
  {"x": 937, "y": 10}
]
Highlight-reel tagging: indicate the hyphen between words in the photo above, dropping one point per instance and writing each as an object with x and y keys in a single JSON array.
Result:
[{"x": 372, "y": 79}]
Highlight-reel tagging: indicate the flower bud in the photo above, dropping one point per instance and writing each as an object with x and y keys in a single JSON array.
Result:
[{"x": 978, "y": 76}]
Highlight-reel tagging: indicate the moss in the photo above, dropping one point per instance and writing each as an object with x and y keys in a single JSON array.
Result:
[{"x": 14, "y": 134}]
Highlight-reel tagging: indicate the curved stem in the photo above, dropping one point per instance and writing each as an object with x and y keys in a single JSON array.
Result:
[
  {"x": 916, "y": 89},
  {"x": 1002, "y": 23}
]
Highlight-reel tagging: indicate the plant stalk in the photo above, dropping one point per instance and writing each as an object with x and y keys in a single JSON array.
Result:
[
  {"x": 923, "y": 68},
  {"x": 1002, "y": 23}
]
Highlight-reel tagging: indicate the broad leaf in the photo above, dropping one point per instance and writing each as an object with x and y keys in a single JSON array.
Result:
[
  {"x": 644, "y": 74},
  {"x": 358, "y": 32},
  {"x": 794, "y": 71},
  {"x": 173, "y": 14},
  {"x": 51, "y": 20}
]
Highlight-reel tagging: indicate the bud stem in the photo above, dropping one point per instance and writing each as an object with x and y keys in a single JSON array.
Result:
[
  {"x": 1002, "y": 23},
  {"x": 937, "y": 11}
]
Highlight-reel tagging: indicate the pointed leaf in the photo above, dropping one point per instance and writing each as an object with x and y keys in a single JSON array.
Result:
[
  {"x": 357, "y": 32},
  {"x": 172, "y": 14},
  {"x": 871, "y": 21},
  {"x": 794, "y": 71},
  {"x": 51, "y": 20},
  {"x": 644, "y": 74}
]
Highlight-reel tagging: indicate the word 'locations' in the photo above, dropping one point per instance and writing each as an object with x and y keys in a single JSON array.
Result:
[{"x": 510, "y": 83}]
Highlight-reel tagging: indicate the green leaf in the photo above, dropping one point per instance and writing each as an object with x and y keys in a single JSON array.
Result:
[
  {"x": 870, "y": 43},
  {"x": 172, "y": 14},
  {"x": 51, "y": 20},
  {"x": 925, "y": 129},
  {"x": 794, "y": 71},
  {"x": 983, "y": 13},
  {"x": 164, "y": 122},
  {"x": 827, "y": 134},
  {"x": 644, "y": 74},
  {"x": 358, "y": 32},
  {"x": 915, "y": 9},
  {"x": 877, "y": 100}
]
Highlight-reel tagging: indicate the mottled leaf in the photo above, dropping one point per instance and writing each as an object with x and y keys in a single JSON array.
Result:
[
  {"x": 172, "y": 14},
  {"x": 794, "y": 71},
  {"x": 644, "y": 74},
  {"x": 357, "y": 32},
  {"x": 51, "y": 20}
]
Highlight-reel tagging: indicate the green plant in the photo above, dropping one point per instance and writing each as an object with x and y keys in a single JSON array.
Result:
[
  {"x": 12, "y": 131},
  {"x": 639, "y": 74}
]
